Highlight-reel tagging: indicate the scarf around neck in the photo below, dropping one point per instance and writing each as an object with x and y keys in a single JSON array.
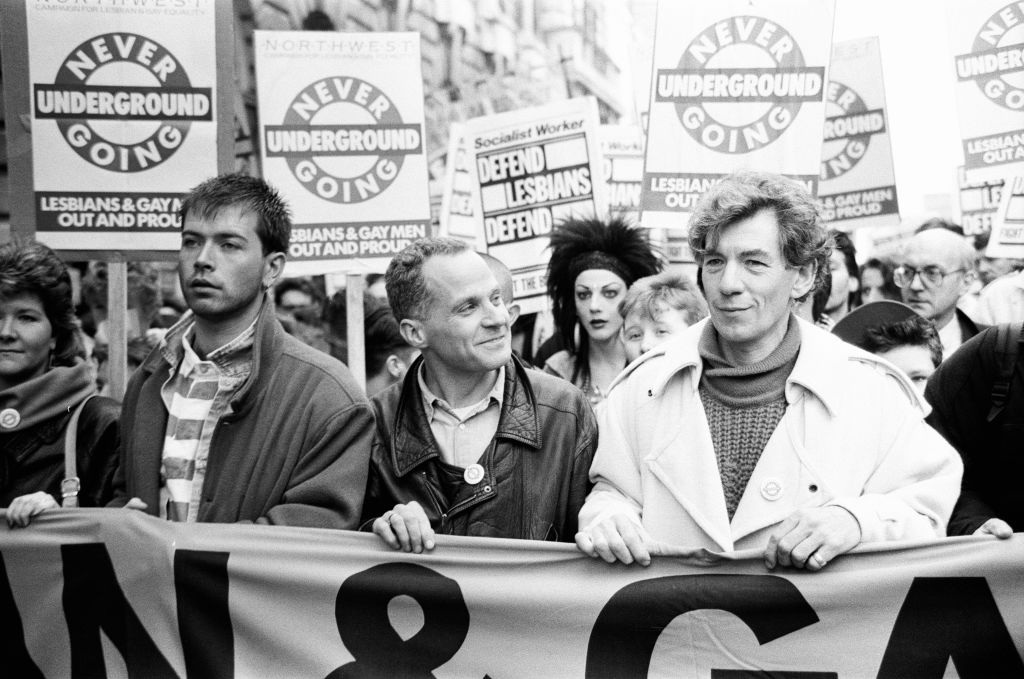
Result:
[
  {"x": 748, "y": 385},
  {"x": 56, "y": 391}
]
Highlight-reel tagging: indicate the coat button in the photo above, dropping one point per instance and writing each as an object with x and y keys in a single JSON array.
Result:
[
  {"x": 9, "y": 418},
  {"x": 771, "y": 489}
]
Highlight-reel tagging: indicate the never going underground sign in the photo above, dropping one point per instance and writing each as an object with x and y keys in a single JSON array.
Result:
[
  {"x": 124, "y": 120},
  {"x": 344, "y": 142},
  {"x": 742, "y": 89}
]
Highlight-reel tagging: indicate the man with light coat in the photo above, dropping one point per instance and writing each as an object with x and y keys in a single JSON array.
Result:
[{"x": 755, "y": 430}]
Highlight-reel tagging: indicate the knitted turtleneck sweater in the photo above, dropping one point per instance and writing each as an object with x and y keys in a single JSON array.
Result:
[{"x": 744, "y": 405}]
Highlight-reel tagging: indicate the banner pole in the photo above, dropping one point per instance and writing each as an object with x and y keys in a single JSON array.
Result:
[
  {"x": 117, "y": 322},
  {"x": 354, "y": 285}
]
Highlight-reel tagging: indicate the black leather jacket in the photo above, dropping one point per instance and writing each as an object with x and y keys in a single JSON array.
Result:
[{"x": 536, "y": 466}]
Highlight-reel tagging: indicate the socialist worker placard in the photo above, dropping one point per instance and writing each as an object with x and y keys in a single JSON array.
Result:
[
  {"x": 987, "y": 37},
  {"x": 341, "y": 132},
  {"x": 857, "y": 185},
  {"x": 535, "y": 167},
  {"x": 736, "y": 84},
  {"x": 623, "y": 148},
  {"x": 123, "y": 118}
]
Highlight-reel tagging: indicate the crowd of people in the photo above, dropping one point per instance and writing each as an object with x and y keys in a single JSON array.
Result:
[{"x": 787, "y": 400}]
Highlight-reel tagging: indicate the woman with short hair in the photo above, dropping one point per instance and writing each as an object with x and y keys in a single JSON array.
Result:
[{"x": 44, "y": 381}]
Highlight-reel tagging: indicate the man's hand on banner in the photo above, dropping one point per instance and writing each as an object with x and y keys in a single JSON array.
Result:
[
  {"x": 136, "y": 503},
  {"x": 405, "y": 527},
  {"x": 614, "y": 538},
  {"x": 996, "y": 527},
  {"x": 811, "y": 538},
  {"x": 24, "y": 507}
]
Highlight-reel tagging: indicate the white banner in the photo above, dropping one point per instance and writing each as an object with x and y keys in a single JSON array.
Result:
[
  {"x": 534, "y": 167},
  {"x": 114, "y": 593},
  {"x": 738, "y": 84},
  {"x": 341, "y": 129}
]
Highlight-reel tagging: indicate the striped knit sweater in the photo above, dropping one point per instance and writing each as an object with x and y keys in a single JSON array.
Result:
[{"x": 744, "y": 405}]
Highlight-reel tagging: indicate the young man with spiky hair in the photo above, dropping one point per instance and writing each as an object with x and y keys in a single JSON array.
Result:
[{"x": 230, "y": 418}]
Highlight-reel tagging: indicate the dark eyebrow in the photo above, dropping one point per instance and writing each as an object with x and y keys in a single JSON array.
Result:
[{"x": 219, "y": 235}]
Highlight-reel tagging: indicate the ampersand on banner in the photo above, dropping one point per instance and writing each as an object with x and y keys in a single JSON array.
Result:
[{"x": 361, "y": 611}]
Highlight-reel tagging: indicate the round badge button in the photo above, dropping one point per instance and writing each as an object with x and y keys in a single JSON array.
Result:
[
  {"x": 9, "y": 418},
  {"x": 474, "y": 474},
  {"x": 771, "y": 489}
]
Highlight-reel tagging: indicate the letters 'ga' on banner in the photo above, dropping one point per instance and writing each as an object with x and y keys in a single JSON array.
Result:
[
  {"x": 534, "y": 167},
  {"x": 736, "y": 84},
  {"x": 115, "y": 593},
  {"x": 341, "y": 125},
  {"x": 987, "y": 38},
  {"x": 125, "y": 101},
  {"x": 1007, "y": 238},
  {"x": 858, "y": 182}
]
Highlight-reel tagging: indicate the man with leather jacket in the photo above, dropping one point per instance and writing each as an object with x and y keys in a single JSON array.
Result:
[{"x": 471, "y": 442}]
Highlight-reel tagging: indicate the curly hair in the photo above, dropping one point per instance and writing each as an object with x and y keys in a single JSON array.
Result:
[
  {"x": 407, "y": 289},
  {"x": 802, "y": 236},
  {"x": 27, "y": 267},
  {"x": 252, "y": 194}
]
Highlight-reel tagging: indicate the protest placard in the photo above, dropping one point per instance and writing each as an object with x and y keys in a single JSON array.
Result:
[
  {"x": 341, "y": 126},
  {"x": 737, "y": 84},
  {"x": 1007, "y": 238},
  {"x": 857, "y": 182},
  {"x": 115, "y": 593},
  {"x": 987, "y": 38},
  {"x": 460, "y": 200},
  {"x": 127, "y": 108},
  {"x": 623, "y": 149},
  {"x": 534, "y": 167},
  {"x": 978, "y": 203}
]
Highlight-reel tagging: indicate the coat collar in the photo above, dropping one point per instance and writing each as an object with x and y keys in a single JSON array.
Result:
[
  {"x": 412, "y": 442},
  {"x": 267, "y": 344},
  {"x": 817, "y": 349}
]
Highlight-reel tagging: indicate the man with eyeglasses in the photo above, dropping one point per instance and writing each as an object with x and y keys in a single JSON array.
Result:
[{"x": 936, "y": 271}]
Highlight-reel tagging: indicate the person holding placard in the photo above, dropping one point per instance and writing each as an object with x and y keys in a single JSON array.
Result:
[
  {"x": 230, "y": 418},
  {"x": 58, "y": 441},
  {"x": 592, "y": 265},
  {"x": 756, "y": 430},
  {"x": 471, "y": 442}
]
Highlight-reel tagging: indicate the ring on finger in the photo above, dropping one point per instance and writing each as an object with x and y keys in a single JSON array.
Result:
[
  {"x": 818, "y": 561},
  {"x": 387, "y": 516}
]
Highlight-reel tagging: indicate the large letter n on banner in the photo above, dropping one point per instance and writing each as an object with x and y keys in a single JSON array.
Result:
[{"x": 93, "y": 600}]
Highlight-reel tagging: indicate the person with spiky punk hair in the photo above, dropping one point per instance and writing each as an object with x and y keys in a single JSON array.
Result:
[{"x": 593, "y": 263}]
